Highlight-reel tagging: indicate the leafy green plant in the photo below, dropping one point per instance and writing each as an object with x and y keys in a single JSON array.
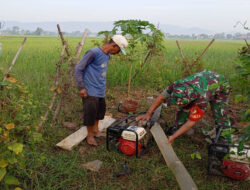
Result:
[
  {"x": 107, "y": 35},
  {"x": 16, "y": 129},
  {"x": 196, "y": 155},
  {"x": 242, "y": 79},
  {"x": 142, "y": 36},
  {"x": 139, "y": 31},
  {"x": 144, "y": 39},
  {"x": 242, "y": 73}
]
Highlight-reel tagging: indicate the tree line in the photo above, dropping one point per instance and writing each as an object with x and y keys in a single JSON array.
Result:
[{"x": 15, "y": 30}]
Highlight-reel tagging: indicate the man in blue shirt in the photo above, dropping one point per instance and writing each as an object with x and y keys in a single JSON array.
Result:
[{"x": 90, "y": 76}]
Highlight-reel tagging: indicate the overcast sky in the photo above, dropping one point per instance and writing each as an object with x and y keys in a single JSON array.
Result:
[{"x": 217, "y": 15}]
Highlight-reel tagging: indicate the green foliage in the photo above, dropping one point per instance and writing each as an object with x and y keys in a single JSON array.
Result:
[
  {"x": 142, "y": 32},
  {"x": 241, "y": 78},
  {"x": 107, "y": 35},
  {"x": 196, "y": 155},
  {"x": 139, "y": 33},
  {"x": 144, "y": 39},
  {"x": 2, "y": 173},
  {"x": 11, "y": 180},
  {"x": 245, "y": 138},
  {"x": 16, "y": 128},
  {"x": 242, "y": 72}
]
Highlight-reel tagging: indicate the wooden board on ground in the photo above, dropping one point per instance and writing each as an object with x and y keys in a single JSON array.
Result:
[
  {"x": 74, "y": 139},
  {"x": 156, "y": 114},
  {"x": 181, "y": 174}
]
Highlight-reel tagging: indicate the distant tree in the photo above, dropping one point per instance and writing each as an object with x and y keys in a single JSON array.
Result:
[
  {"x": 193, "y": 36},
  {"x": 15, "y": 30},
  {"x": 204, "y": 36},
  {"x": 219, "y": 36},
  {"x": 77, "y": 33},
  {"x": 1, "y": 25},
  {"x": 248, "y": 35},
  {"x": 39, "y": 31},
  {"x": 229, "y": 36},
  {"x": 167, "y": 35},
  {"x": 7, "y": 31},
  {"x": 27, "y": 32},
  {"x": 237, "y": 35}
]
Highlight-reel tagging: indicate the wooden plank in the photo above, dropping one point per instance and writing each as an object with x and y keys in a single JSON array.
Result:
[
  {"x": 182, "y": 176},
  {"x": 156, "y": 114},
  {"x": 74, "y": 139}
]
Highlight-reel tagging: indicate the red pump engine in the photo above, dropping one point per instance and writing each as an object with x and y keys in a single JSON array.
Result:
[
  {"x": 238, "y": 165},
  {"x": 128, "y": 147},
  {"x": 236, "y": 170}
]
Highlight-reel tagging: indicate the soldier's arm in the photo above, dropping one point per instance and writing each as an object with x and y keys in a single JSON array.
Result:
[
  {"x": 184, "y": 128},
  {"x": 195, "y": 115},
  {"x": 164, "y": 96},
  {"x": 158, "y": 101}
]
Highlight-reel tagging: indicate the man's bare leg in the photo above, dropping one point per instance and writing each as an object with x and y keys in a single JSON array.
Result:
[
  {"x": 90, "y": 137},
  {"x": 97, "y": 133}
]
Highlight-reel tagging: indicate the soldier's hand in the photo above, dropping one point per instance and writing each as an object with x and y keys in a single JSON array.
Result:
[
  {"x": 145, "y": 117},
  {"x": 170, "y": 140},
  {"x": 83, "y": 93}
]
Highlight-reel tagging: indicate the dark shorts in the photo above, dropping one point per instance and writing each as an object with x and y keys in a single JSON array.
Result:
[{"x": 94, "y": 108}]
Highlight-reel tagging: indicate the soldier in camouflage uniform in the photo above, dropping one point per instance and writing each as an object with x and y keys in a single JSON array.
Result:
[{"x": 192, "y": 94}]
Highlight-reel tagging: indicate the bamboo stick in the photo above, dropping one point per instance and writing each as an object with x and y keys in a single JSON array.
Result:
[
  {"x": 129, "y": 79},
  {"x": 14, "y": 60},
  {"x": 77, "y": 55},
  {"x": 204, "y": 51},
  {"x": 70, "y": 74},
  {"x": 62, "y": 39},
  {"x": 183, "y": 58},
  {"x": 144, "y": 62},
  {"x": 58, "y": 108},
  {"x": 52, "y": 102},
  {"x": 246, "y": 43},
  {"x": 80, "y": 45}
]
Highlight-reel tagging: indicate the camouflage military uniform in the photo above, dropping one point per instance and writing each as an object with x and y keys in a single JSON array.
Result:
[{"x": 200, "y": 89}]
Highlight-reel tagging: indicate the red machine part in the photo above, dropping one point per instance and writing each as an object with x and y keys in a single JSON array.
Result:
[
  {"x": 128, "y": 147},
  {"x": 235, "y": 170}
]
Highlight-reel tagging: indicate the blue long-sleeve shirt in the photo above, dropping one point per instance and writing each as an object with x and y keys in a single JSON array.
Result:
[{"x": 90, "y": 72}]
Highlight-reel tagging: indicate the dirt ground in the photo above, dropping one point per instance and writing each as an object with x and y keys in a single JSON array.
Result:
[{"x": 118, "y": 94}]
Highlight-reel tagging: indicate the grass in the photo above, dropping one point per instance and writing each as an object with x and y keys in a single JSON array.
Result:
[
  {"x": 51, "y": 168},
  {"x": 36, "y": 63},
  {"x": 62, "y": 170}
]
